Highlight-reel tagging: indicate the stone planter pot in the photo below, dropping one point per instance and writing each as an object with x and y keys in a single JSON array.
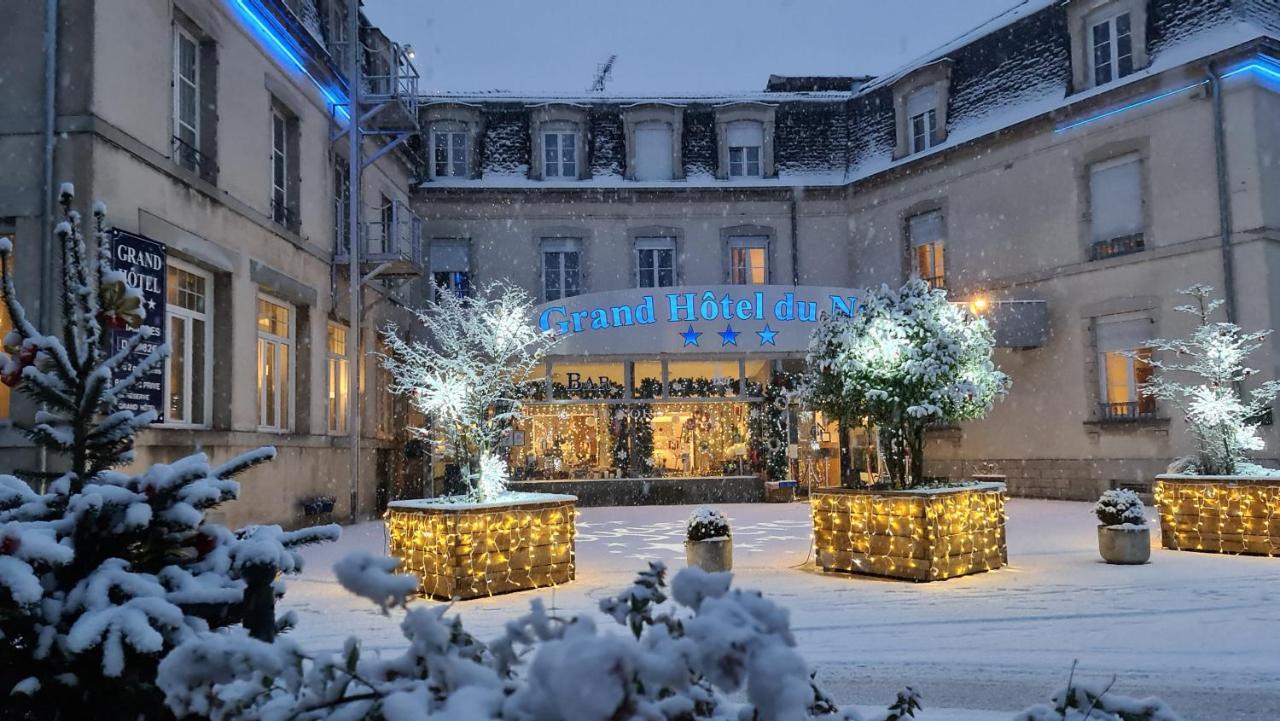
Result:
[
  {"x": 916, "y": 535},
  {"x": 712, "y": 555},
  {"x": 469, "y": 550},
  {"x": 1219, "y": 514},
  {"x": 1125, "y": 545}
]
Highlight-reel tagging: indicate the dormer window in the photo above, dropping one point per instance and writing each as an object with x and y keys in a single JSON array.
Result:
[
  {"x": 746, "y": 148},
  {"x": 560, "y": 150},
  {"x": 744, "y": 134},
  {"x": 922, "y": 115},
  {"x": 653, "y": 132},
  {"x": 558, "y": 142},
  {"x": 1112, "y": 43},
  {"x": 451, "y": 150},
  {"x": 1108, "y": 40},
  {"x": 920, "y": 109}
]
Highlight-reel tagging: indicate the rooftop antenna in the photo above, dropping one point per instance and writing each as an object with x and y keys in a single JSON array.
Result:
[{"x": 604, "y": 73}]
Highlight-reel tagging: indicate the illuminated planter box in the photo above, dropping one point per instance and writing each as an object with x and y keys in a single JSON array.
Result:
[
  {"x": 1219, "y": 514},
  {"x": 917, "y": 535},
  {"x": 469, "y": 550}
]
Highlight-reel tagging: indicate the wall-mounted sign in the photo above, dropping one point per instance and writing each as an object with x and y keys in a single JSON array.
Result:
[
  {"x": 738, "y": 319},
  {"x": 143, "y": 261}
]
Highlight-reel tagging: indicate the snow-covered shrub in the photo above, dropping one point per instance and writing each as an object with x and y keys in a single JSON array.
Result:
[
  {"x": 906, "y": 359},
  {"x": 1120, "y": 506},
  {"x": 102, "y": 572},
  {"x": 1222, "y": 421},
  {"x": 464, "y": 376},
  {"x": 1087, "y": 702},
  {"x": 706, "y": 523}
]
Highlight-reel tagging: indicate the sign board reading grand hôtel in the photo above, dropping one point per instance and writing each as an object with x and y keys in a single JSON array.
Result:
[{"x": 739, "y": 319}]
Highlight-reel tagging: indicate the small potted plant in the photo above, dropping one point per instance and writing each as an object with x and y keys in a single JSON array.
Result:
[
  {"x": 708, "y": 544},
  {"x": 1123, "y": 534}
]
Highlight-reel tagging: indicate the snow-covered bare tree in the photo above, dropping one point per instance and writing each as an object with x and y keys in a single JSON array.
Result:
[
  {"x": 103, "y": 572},
  {"x": 464, "y": 374},
  {"x": 907, "y": 358},
  {"x": 1222, "y": 420}
]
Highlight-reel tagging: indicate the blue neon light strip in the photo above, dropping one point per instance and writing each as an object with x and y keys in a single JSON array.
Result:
[
  {"x": 282, "y": 44},
  {"x": 1262, "y": 65}
]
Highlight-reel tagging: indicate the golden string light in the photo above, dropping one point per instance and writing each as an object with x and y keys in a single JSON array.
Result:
[
  {"x": 1220, "y": 516},
  {"x": 469, "y": 551},
  {"x": 910, "y": 535}
]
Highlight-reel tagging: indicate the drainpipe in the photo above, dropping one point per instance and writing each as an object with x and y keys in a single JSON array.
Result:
[
  {"x": 46, "y": 212},
  {"x": 356, "y": 289},
  {"x": 1224, "y": 194},
  {"x": 795, "y": 235}
]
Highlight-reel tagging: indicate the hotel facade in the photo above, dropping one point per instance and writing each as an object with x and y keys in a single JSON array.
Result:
[{"x": 1072, "y": 164}]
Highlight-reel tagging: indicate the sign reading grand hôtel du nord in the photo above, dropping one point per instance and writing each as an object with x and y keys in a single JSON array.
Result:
[{"x": 143, "y": 261}]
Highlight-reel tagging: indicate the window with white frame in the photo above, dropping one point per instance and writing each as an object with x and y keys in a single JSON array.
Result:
[
  {"x": 338, "y": 367},
  {"x": 280, "y": 206},
  {"x": 749, "y": 260},
  {"x": 187, "y": 368},
  {"x": 1116, "y": 207},
  {"x": 561, "y": 268},
  {"x": 341, "y": 202},
  {"x": 1124, "y": 355},
  {"x": 745, "y": 139},
  {"x": 450, "y": 143},
  {"x": 927, "y": 234},
  {"x": 559, "y": 150},
  {"x": 275, "y": 364},
  {"x": 922, "y": 118},
  {"x": 186, "y": 99},
  {"x": 1111, "y": 49},
  {"x": 451, "y": 265},
  {"x": 655, "y": 262},
  {"x": 653, "y": 151}
]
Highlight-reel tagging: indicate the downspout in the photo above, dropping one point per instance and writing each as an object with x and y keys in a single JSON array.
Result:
[
  {"x": 46, "y": 212},
  {"x": 1224, "y": 194},
  {"x": 795, "y": 236}
]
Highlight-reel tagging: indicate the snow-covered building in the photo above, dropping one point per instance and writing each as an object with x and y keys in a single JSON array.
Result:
[
  {"x": 1069, "y": 164},
  {"x": 207, "y": 128}
]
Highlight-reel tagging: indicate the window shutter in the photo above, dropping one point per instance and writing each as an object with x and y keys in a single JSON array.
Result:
[
  {"x": 450, "y": 255},
  {"x": 1115, "y": 196},
  {"x": 744, "y": 133},
  {"x": 653, "y": 151},
  {"x": 922, "y": 100},
  {"x": 925, "y": 228},
  {"x": 1125, "y": 331}
]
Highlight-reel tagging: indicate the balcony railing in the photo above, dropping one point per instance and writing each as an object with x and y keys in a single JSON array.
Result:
[
  {"x": 1123, "y": 245},
  {"x": 284, "y": 215},
  {"x": 936, "y": 282},
  {"x": 1144, "y": 410},
  {"x": 190, "y": 157},
  {"x": 396, "y": 241}
]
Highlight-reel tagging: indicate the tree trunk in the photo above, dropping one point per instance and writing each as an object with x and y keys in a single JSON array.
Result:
[
  {"x": 846, "y": 462},
  {"x": 893, "y": 448},
  {"x": 915, "y": 439},
  {"x": 260, "y": 602}
]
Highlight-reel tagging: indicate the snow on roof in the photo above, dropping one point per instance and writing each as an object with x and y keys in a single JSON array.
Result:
[{"x": 537, "y": 98}]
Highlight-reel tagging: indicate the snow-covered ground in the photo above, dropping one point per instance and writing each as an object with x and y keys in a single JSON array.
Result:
[{"x": 1198, "y": 630}]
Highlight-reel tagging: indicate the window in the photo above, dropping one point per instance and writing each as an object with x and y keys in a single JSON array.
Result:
[
  {"x": 451, "y": 265},
  {"x": 922, "y": 119},
  {"x": 186, "y": 100},
  {"x": 187, "y": 369},
  {"x": 281, "y": 195},
  {"x": 275, "y": 364},
  {"x": 748, "y": 260},
  {"x": 653, "y": 151},
  {"x": 383, "y": 240},
  {"x": 339, "y": 370},
  {"x": 926, "y": 233},
  {"x": 655, "y": 262},
  {"x": 560, "y": 151},
  {"x": 6, "y": 324},
  {"x": 561, "y": 268},
  {"x": 450, "y": 149},
  {"x": 1112, "y": 49},
  {"x": 1115, "y": 207},
  {"x": 341, "y": 202},
  {"x": 1123, "y": 355},
  {"x": 746, "y": 148}
]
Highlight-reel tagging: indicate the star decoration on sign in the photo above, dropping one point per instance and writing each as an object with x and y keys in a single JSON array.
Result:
[
  {"x": 728, "y": 336},
  {"x": 766, "y": 335},
  {"x": 151, "y": 304},
  {"x": 690, "y": 336}
]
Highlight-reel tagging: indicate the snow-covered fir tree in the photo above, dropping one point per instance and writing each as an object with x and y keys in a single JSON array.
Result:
[
  {"x": 464, "y": 375},
  {"x": 103, "y": 572},
  {"x": 1223, "y": 421},
  {"x": 906, "y": 359}
]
